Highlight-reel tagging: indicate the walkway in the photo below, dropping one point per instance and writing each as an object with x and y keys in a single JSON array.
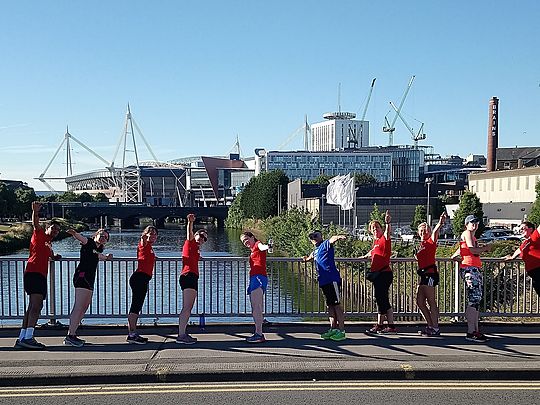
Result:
[{"x": 292, "y": 352}]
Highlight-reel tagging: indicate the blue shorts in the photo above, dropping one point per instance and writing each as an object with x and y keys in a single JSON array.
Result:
[{"x": 257, "y": 281}]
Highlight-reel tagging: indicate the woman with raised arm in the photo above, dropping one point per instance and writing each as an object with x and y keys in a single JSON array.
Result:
[
  {"x": 189, "y": 278},
  {"x": 381, "y": 275},
  {"x": 139, "y": 281},
  {"x": 429, "y": 275},
  {"x": 529, "y": 250},
  {"x": 258, "y": 280},
  {"x": 84, "y": 279},
  {"x": 470, "y": 272}
]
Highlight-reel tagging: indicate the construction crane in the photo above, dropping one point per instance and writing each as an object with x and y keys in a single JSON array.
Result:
[
  {"x": 352, "y": 139},
  {"x": 419, "y": 136},
  {"x": 390, "y": 127}
]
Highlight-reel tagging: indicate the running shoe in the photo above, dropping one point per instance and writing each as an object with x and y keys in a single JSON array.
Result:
[
  {"x": 136, "y": 339},
  {"x": 476, "y": 337},
  {"x": 17, "y": 345},
  {"x": 256, "y": 338},
  {"x": 328, "y": 334},
  {"x": 185, "y": 339},
  {"x": 71, "y": 340},
  {"x": 375, "y": 329},
  {"x": 338, "y": 336},
  {"x": 434, "y": 332},
  {"x": 31, "y": 343}
]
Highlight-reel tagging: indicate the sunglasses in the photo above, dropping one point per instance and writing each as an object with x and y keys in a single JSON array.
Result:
[{"x": 203, "y": 237}]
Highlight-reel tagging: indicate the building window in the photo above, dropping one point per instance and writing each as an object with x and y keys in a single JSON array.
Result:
[
  {"x": 517, "y": 182},
  {"x": 500, "y": 184},
  {"x": 492, "y": 184},
  {"x": 527, "y": 183},
  {"x": 507, "y": 165},
  {"x": 508, "y": 180}
]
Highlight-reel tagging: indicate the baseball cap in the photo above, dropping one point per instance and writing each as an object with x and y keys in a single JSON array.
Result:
[
  {"x": 472, "y": 219},
  {"x": 314, "y": 234}
]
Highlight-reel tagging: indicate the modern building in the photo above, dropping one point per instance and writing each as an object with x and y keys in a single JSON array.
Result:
[
  {"x": 340, "y": 131},
  {"x": 506, "y": 195}
]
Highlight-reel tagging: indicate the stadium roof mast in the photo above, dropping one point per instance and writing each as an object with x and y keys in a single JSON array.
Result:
[{"x": 69, "y": 163}]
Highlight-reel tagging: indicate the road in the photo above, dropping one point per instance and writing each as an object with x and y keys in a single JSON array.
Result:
[{"x": 308, "y": 392}]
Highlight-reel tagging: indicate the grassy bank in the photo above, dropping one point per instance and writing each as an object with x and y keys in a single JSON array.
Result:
[{"x": 17, "y": 236}]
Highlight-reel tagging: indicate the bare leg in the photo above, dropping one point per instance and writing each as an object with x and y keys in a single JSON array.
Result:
[
  {"x": 83, "y": 297},
  {"x": 339, "y": 317},
  {"x": 132, "y": 322},
  {"x": 33, "y": 311},
  {"x": 433, "y": 308},
  {"x": 421, "y": 297},
  {"x": 189, "y": 297},
  {"x": 257, "y": 300}
]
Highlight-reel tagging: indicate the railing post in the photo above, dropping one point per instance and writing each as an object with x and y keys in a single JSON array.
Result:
[
  {"x": 456, "y": 291},
  {"x": 52, "y": 293}
]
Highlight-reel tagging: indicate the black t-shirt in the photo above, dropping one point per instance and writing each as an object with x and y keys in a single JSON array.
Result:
[{"x": 89, "y": 259}]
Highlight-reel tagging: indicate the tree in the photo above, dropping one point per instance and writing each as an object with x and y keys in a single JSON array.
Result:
[
  {"x": 85, "y": 197},
  {"x": 534, "y": 215},
  {"x": 468, "y": 205},
  {"x": 260, "y": 196},
  {"x": 364, "y": 178},
  {"x": 100, "y": 197},
  {"x": 419, "y": 216},
  {"x": 321, "y": 179},
  {"x": 68, "y": 196},
  {"x": 376, "y": 214},
  {"x": 25, "y": 197}
]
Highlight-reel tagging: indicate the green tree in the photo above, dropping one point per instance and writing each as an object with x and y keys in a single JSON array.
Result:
[
  {"x": 376, "y": 214},
  {"x": 25, "y": 197},
  {"x": 260, "y": 196},
  {"x": 100, "y": 197},
  {"x": 85, "y": 197},
  {"x": 235, "y": 215},
  {"x": 8, "y": 200},
  {"x": 322, "y": 179},
  {"x": 364, "y": 178},
  {"x": 419, "y": 216},
  {"x": 534, "y": 215},
  {"x": 469, "y": 204},
  {"x": 68, "y": 196}
]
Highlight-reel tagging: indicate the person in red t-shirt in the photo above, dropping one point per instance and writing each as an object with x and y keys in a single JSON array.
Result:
[
  {"x": 189, "y": 278},
  {"x": 35, "y": 277},
  {"x": 381, "y": 275},
  {"x": 139, "y": 281},
  {"x": 429, "y": 275},
  {"x": 258, "y": 280},
  {"x": 529, "y": 250}
]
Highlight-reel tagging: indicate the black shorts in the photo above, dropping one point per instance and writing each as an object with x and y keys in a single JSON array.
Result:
[
  {"x": 189, "y": 280},
  {"x": 35, "y": 283},
  {"x": 81, "y": 281},
  {"x": 332, "y": 293},
  {"x": 429, "y": 279}
]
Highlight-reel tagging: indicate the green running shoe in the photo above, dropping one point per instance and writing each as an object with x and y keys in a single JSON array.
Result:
[
  {"x": 329, "y": 333},
  {"x": 339, "y": 336}
]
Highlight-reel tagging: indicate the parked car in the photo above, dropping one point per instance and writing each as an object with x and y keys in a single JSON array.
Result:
[{"x": 498, "y": 234}]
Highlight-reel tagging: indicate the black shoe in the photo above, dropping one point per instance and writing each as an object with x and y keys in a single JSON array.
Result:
[
  {"x": 136, "y": 339},
  {"x": 31, "y": 344}
]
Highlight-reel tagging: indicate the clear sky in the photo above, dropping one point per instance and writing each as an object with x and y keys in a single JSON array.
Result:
[{"x": 199, "y": 73}]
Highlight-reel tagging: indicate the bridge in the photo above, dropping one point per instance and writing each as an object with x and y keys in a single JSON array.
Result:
[{"x": 128, "y": 212}]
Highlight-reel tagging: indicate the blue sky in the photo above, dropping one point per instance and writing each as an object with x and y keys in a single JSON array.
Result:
[{"x": 199, "y": 73}]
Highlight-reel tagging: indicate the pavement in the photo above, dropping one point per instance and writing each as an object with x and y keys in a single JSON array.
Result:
[{"x": 292, "y": 352}]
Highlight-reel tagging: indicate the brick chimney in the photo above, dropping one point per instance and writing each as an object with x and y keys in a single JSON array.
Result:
[{"x": 493, "y": 134}]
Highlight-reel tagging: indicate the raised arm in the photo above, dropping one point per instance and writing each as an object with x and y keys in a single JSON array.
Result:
[
  {"x": 335, "y": 238},
  {"x": 190, "y": 221},
  {"x": 388, "y": 227},
  {"x": 36, "y": 206},
  {"x": 435, "y": 232},
  {"x": 78, "y": 236}
]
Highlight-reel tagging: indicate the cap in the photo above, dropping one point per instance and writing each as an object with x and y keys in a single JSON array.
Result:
[
  {"x": 313, "y": 234},
  {"x": 472, "y": 219}
]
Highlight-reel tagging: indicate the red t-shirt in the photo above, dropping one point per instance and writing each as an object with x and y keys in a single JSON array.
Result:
[
  {"x": 145, "y": 258},
  {"x": 426, "y": 255},
  {"x": 468, "y": 259},
  {"x": 40, "y": 252},
  {"x": 380, "y": 254},
  {"x": 257, "y": 261},
  {"x": 530, "y": 251},
  {"x": 190, "y": 257}
]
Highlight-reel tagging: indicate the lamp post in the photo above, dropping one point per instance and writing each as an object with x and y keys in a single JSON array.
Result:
[{"x": 429, "y": 180}]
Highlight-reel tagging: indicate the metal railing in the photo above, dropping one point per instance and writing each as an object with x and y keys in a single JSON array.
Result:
[{"x": 292, "y": 293}]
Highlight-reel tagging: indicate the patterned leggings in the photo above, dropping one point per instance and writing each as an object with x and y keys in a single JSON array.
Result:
[{"x": 473, "y": 285}]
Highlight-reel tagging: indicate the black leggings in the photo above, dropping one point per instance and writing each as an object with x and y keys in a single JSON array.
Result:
[
  {"x": 382, "y": 284},
  {"x": 139, "y": 287},
  {"x": 534, "y": 274}
]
